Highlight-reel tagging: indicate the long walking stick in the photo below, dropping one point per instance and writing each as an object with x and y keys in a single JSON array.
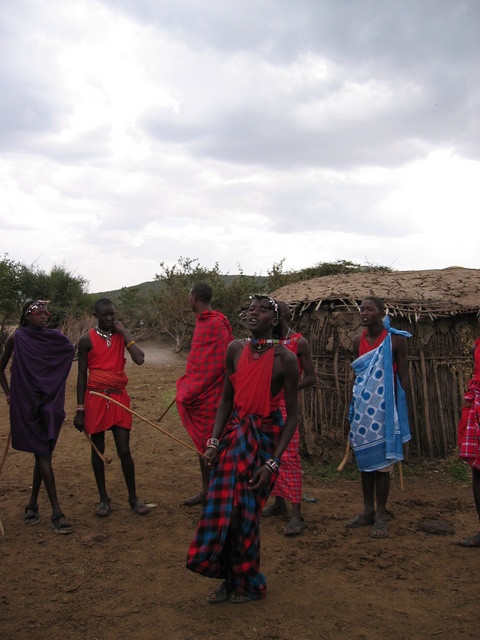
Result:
[
  {"x": 166, "y": 410},
  {"x": 345, "y": 457},
  {"x": 7, "y": 445},
  {"x": 400, "y": 475},
  {"x": 105, "y": 459},
  {"x": 4, "y": 457},
  {"x": 152, "y": 424}
]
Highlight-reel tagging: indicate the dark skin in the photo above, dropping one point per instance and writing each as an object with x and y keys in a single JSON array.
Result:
[
  {"x": 260, "y": 320},
  {"x": 376, "y": 484},
  {"x": 105, "y": 316},
  {"x": 43, "y": 469},
  {"x": 308, "y": 379}
]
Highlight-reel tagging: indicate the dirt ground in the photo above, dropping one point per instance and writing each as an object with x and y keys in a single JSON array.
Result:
[{"x": 125, "y": 576}]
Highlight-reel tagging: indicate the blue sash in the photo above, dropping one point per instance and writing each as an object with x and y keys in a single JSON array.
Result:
[{"x": 378, "y": 410}]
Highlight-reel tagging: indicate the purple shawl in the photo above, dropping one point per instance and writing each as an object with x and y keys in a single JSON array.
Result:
[{"x": 42, "y": 359}]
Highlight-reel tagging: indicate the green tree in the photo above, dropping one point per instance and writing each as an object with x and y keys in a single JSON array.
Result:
[
  {"x": 172, "y": 311},
  {"x": 19, "y": 283}
]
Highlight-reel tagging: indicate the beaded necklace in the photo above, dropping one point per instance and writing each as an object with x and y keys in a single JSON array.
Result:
[
  {"x": 261, "y": 341},
  {"x": 106, "y": 335},
  {"x": 260, "y": 345}
]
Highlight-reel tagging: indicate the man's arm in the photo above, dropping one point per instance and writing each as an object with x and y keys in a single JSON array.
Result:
[
  {"x": 133, "y": 349},
  {"x": 309, "y": 374},
  {"x": 356, "y": 346},
  {"x": 84, "y": 346},
  {"x": 290, "y": 388},
  {"x": 7, "y": 352}
]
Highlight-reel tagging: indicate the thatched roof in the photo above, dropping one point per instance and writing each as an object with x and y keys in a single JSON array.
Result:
[{"x": 435, "y": 293}]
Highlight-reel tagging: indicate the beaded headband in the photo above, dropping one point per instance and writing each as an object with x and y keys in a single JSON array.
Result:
[
  {"x": 36, "y": 305},
  {"x": 271, "y": 302}
]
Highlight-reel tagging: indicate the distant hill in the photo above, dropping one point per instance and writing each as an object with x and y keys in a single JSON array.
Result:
[
  {"x": 153, "y": 285},
  {"x": 144, "y": 287}
]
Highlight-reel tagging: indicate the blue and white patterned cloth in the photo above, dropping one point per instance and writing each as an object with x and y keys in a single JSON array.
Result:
[{"x": 378, "y": 416}]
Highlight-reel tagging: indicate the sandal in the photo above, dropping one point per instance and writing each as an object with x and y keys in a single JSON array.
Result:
[
  {"x": 59, "y": 527},
  {"x": 221, "y": 593},
  {"x": 294, "y": 527},
  {"x": 199, "y": 498},
  {"x": 138, "y": 507},
  {"x": 379, "y": 529},
  {"x": 240, "y": 598},
  {"x": 361, "y": 521},
  {"x": 103, "y": 508},
  {"x": 31, "y": 515},
  {"x": 470, "y": 542}
]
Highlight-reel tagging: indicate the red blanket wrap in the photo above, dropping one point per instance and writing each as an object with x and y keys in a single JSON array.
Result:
[
  {"x": 199, "y": 391},
  {"x": 469, "y": 424},
  {"x": 248, "y": 441},
  {"x": 289, "y": 481},
  {"x": 106, "y": 367}
]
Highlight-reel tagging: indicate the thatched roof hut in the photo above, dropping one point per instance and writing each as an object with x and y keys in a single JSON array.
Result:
[{"x": 439, "y": 308}]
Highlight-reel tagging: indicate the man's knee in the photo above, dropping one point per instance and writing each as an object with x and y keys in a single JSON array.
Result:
[{"x": 124, "y": 453}]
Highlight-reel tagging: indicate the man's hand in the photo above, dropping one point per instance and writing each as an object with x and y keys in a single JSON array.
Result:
[
  {"x": 79, "y": 420},
  {"x": 210, "y": 454},
  {"x": 261, "y": 476},
  {"x": 118, "y": 327}
]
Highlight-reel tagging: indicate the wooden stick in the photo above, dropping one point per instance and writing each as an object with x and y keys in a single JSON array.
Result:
[
  {"x": 7, "y": 445},
  {"x": 166, "y": 410},
  {"x": 152, "y": 424},
  {"x": 4, "y": 457},
  {"x": 342, "y": 464},
  {"x": 105, "y": 459},
  {"x": 400, "y": 475}
]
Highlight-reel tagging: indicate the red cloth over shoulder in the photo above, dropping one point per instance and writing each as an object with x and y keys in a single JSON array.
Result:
[{"x": 365, "y": 346}]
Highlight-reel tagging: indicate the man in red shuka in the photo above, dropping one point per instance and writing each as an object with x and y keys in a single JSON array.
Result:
[
  {"x": 101, "y": 358},
  {"x": 199, "y": 391}
]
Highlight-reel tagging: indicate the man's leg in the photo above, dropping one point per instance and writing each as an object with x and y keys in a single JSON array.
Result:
[
  {"x": 476, "y": 489},
  {"x": 199, "y": 498},
  {"x": 98, "y": 466},
  {"x": 382, "y": 489},
  {"x": 31, "y": 510},
  {"x": 474, "y": 541},
  {"x": 122, "y": 443},
  {"x": 46, "y": 472},
  {"x": 368, "y": 487}
]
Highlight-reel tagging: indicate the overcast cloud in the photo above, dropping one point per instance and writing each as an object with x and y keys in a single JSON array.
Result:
[{"x": 240, "y": 133}]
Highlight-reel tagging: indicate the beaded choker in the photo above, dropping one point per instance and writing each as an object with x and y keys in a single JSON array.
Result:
[
  {"x": 106, "y": 335},
  {"x": 261, "y": 341}
]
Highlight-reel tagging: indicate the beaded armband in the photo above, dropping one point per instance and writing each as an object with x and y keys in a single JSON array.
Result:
[
  {"x": 273, "y": 464},
  {"x": 213, "y": 442}
]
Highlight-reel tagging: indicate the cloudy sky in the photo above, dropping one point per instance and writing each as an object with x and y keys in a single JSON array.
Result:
[{"x": 239, "y": 132}]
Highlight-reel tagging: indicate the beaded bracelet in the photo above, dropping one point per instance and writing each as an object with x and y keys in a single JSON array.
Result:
[
  {"x": 80, "y": 407},
  {"x": 272, "y": 464},
  {"x": 213, "y": 442},
  {"x": 127, "y": 346}
]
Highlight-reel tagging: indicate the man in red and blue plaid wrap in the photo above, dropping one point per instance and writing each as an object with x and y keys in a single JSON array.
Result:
[
  {"x": 199, "y": 391},
  {"x": 248, "y": 440}
]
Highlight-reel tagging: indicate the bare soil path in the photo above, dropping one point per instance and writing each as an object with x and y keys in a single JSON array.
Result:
[{"x": 125, "y": 577}]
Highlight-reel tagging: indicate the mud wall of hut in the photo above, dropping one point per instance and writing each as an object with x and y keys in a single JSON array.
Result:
[{"x": 439, "y": 364}]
